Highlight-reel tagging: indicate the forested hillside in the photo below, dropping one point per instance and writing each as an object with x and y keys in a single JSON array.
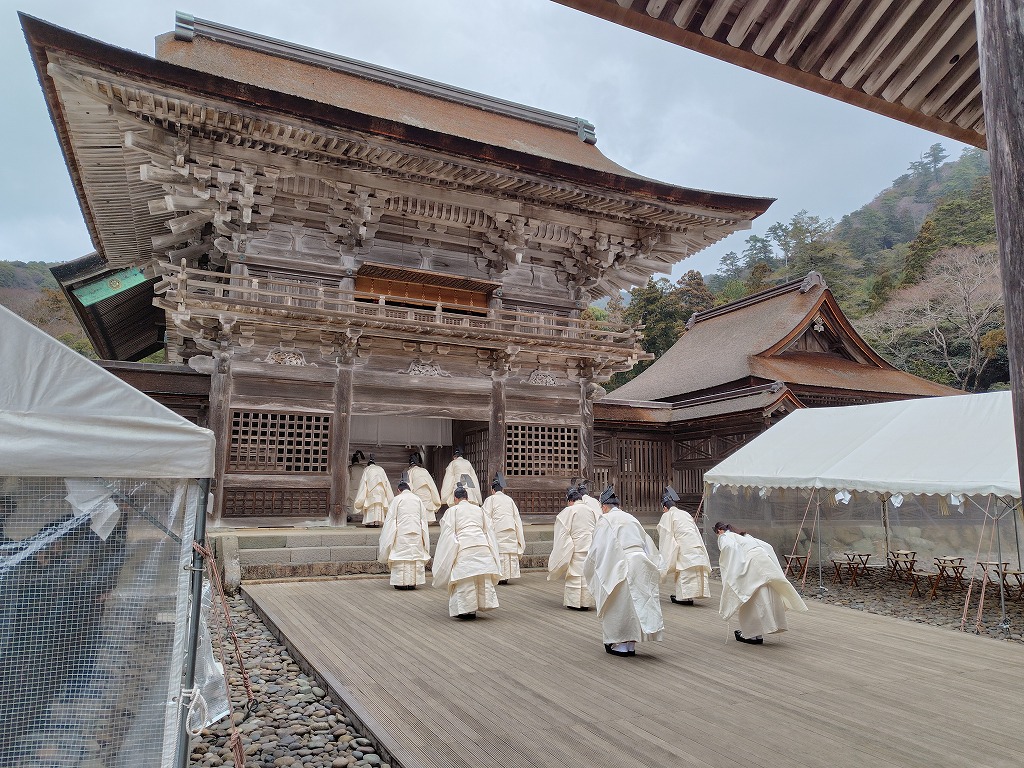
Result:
[{"x": 916, "y": 269}]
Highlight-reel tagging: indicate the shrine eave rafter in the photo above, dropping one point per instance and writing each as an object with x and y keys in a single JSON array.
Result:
[{"x": 47, "y": 41}]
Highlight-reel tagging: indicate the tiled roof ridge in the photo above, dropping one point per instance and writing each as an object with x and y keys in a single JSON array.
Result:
[
  {"x": 802, "y": 284},
  {"x": 188, "y": 27}
]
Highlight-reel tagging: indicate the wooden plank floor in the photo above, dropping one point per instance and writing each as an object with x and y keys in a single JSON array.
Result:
[{"x": 530, "y": 684}]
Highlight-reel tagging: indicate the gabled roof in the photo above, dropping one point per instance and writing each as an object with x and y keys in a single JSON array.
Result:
[{"x": 765, "y": 337}]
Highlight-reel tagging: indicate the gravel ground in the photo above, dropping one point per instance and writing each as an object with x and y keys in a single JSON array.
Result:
[
  {"x": 877, "y": 593},
  {"x": 295, "y": 723}
]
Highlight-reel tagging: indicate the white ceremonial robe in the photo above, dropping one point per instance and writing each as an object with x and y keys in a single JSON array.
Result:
[
  {"x": 593, "y": 503},
  {"x": 355, "y": 477},
  {"x": 422, "y": 484},
  {"x": 508, "y": 531},
  {"x": 574, "y": 531},
  {"x": 404, "y": 540},
  {"x": 754, "y": 588},
  {"x": 466, "y": 559},
  {"x": 684, "y": 557},
  {"x": 456, "y": 469},
  {"x": 623, "y": 572},
  {"x": 374, "y": 495}
]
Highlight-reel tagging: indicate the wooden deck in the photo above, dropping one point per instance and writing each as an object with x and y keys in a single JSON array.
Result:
[{"x": 530, "y": 684}]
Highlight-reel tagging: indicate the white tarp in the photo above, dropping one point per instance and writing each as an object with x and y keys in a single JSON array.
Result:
[
  {"x": 943, "y": 445},
  {"x": 61, "y": 415}
]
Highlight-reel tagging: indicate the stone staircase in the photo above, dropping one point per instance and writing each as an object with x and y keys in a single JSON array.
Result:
[{"x": 258, "y": 554}]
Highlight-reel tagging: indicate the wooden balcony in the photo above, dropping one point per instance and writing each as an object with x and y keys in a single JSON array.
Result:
[{"x": 195, "y": 293}]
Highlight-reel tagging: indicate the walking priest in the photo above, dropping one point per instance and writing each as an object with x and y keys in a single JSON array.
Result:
[
  {"x": 466, "y": 558},
  {"x": 508, "y": 528},
  {"x": 404, "y": 539},
  {"x": 574, "y": 530},
  {"x": 684, "y": 557},
  {"x": 622, "y": 570}
]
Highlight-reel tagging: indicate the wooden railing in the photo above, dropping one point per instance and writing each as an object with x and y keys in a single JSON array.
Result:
[{"x": 187, "y": 287}]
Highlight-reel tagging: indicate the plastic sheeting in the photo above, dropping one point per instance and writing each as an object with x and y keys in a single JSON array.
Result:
[
  {"x": 61, "y": 414},
  {"x": 961, "y": 445}
]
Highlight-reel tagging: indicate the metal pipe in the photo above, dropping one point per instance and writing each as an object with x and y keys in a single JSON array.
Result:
[{"x": 196, "y": 597}]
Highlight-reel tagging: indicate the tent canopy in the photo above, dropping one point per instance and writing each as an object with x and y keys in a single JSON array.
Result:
[
  {"x": 943, "y": 445},
  {"x": 61, "y": 415}
]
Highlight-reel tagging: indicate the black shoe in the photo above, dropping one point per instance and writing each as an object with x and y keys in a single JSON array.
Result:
[
  {"x": 749, "y": 640},
  {"x": 466, "y": 616},
  {"x": 680, "y": 602}
]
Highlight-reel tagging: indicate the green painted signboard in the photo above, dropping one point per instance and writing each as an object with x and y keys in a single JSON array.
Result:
[{"x": 111, "y": 285}]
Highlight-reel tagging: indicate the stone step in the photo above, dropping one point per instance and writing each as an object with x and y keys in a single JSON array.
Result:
[{"x": 251, "y": 554}]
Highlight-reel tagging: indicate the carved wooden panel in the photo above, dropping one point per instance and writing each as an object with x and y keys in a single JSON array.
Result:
[
  {"x": 276, "y": 441},
  {"x": 535, "y": 450},
  {"x": 276, "y": 502}
]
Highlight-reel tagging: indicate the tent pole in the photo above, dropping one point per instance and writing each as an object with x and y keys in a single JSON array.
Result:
[
  {"x": 1005, "y": 623},
  {"x": 196, "y": 598},
  {"x": 817, "y": 524}
]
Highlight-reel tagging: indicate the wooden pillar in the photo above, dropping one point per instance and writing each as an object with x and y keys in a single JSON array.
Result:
[
  {"x": 341, "y": 420},
  {"x": 587, "y": 431},
  {"x": 495, "y": 431},
  {"x": 1001, "y": 52},
  {"x": 220, "y": 424}
]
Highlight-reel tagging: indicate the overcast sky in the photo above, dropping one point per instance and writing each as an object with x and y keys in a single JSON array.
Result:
[{"x": 660, "y": 110}]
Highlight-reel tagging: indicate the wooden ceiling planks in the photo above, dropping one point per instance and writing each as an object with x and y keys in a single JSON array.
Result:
[{"x": 907, "y": 59}]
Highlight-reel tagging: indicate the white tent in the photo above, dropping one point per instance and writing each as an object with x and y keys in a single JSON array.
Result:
[
  {"x": 61, "y": 414},
  {"x": 101, "y": 489},
  {"x": 961, "y": 445}
]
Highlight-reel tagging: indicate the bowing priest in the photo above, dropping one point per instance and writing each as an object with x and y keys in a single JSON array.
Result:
[
  {"x": 458, "y": 468},
  {"x": 754, "y": 587},
  {"x": 574, "y": 530},
  {"x": 622, "y": 570},
  {"x": 404, "y": 540},
  {"x": 466, "y": 558},
  {"x": 504, "y": 518},
  {"x": 422, "y": 484},
  {"x": 374, "y": 495},
  {"x": 684, "y": 558}
]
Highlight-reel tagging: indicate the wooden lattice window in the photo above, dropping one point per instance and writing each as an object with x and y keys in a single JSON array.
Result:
[
  {"x": 533, "y": 450},
  {"x": 474, "y": 450},
  {"x": 271, "y": 441},
  {"x": 276, "y": 502}
]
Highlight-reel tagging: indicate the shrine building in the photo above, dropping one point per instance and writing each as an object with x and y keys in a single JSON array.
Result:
[{"x": 340, "y": 257}]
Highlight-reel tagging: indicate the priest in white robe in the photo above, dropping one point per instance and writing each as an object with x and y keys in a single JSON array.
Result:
[
  {"x": 574, "y": 531},
  {"x": 622, "y": 570},
  {"x": 355, "y": 477},
  {"x": 507, "y": 526},
  {"x": 754, "y": 587},
  {"x": 404, "y": 540},
  {"x": 374, "y": 495},
  {"x": 422, "y": 484},
  {"x": 457, "y": 468},
  {"x": 684, "y": 558},
  {"x": 466, "y": 558}
]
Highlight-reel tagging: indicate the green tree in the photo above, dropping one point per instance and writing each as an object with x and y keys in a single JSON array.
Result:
[{"x": 759, "y": 250}]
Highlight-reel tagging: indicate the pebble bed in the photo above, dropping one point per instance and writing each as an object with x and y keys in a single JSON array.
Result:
[{"x": 295, "y": 722}]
